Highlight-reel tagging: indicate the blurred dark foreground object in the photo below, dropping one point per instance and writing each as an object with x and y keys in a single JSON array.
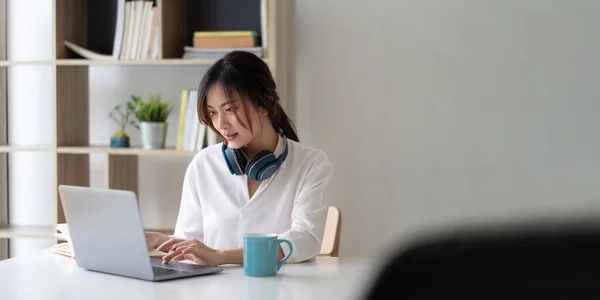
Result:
[{"x": 526, "y": 262}]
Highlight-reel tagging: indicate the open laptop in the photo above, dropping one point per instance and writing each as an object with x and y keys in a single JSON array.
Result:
[{"x": 107, "y": 236}]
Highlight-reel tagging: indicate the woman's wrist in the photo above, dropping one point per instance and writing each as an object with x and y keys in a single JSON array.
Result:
[{"x": 231, "y": 256}]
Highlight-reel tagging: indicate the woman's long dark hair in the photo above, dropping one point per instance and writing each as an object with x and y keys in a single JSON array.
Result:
[{"x": 245, "y": 75}]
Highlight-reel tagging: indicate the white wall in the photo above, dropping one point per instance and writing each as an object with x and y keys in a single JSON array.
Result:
[{"x": 439, "y": 112}]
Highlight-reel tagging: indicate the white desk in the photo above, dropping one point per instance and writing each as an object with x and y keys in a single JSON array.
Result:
[{"x": 46, "y": 275}]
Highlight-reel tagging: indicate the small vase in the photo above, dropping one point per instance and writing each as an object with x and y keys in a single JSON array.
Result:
[
  {"x": 153, "y": 134},
  {"x": 119, "y": 142}
]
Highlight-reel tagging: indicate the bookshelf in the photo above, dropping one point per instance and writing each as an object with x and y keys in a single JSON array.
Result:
[{"x": 72, "y": 21}]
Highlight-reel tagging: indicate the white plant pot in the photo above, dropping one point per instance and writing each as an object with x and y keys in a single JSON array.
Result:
[{"x": 154, "y": 134}]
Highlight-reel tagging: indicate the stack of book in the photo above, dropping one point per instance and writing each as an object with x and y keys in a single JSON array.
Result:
[
  {"x": 193, "y": 135},
  {"x": 136, "y": 32},
  {"x": 215, "y": 44},
  {"x": 140, "y": 31}
]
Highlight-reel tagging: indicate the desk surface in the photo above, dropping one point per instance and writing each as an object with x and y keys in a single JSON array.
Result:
[{"x": 46, "y": 275}]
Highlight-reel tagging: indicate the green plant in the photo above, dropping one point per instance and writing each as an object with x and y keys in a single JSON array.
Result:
[
  {"x": 152, "y": 110},
  {"x": 121, "y": 115}
]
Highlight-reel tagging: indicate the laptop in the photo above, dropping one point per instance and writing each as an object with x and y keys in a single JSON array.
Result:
[{"x": 107, "y": 236}]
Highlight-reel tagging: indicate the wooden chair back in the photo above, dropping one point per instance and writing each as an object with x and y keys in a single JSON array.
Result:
[{"x": 331, "y": 238}]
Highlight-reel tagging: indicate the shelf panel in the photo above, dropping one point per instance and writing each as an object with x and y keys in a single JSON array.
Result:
[
  {"x": 27, "y": 232},
  {"x": 90, "y": 62},
  {"x": 8, "y": 63},
  {"x": 5, "y": 149},
  {"x": 157, "y": 62},
  {"x": 122, "y": 151}
]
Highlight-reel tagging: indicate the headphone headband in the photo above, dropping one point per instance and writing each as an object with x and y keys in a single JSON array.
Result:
[{"x": 262, "y": 166}]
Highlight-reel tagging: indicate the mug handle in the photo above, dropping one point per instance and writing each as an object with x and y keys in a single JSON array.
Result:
[{"x": 282, "y": 261}]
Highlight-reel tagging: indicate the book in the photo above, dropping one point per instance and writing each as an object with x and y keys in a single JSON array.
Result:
[
  {"x": 119, "y": 29},
  {"x": 226, "y": 33},
  {"x": 139, "y": 30},
  {"x": 182, "y": 113},
  {"x": 130, "y": 31},
  {"x": 136, "y": 28},
  {"x": 89, "y": 54},
  {"x": 190, "y": 132},
  {"x": 153, "y": 43},
  {"x": 215, "y": 53},
  {"x": 224, "y": 42},
  {"x": 126, "y": 30},
  {"x": 144, "y": 33},
  {"x": 148, "y": 34},
  {"x": 263, "y": 26},
  {"x": 105, "y": 31}
]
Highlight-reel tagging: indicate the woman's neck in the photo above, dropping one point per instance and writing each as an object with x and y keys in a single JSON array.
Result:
[{"x": 267, "y": 140}]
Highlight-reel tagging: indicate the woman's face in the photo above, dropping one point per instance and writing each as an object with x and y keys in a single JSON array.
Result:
[{"x": 229, "y": 117}]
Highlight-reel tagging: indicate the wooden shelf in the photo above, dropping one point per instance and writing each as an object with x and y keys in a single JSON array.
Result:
[
  {"x": 122, "y": 151},
  {"x": 89, "y": 62},
  {"x": 6, "y": 149},
  {"x": 157, "y": 62},
  {"x": 8, "y": 63}
]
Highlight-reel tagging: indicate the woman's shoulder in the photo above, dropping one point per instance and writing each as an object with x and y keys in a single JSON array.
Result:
[
  {"x": 208, "y": 154},
  {"x": 307, "y": 154}
]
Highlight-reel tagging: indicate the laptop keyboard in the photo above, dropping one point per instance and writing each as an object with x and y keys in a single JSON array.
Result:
[{"x": 158, "y": 271}]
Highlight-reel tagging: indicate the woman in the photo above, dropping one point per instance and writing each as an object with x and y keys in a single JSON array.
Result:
[{"x": 229, "y": 191}]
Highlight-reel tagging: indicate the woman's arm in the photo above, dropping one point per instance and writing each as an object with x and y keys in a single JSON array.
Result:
[
  {"x": 201, "y": 254},
  {"x": 310, "y": 212}
]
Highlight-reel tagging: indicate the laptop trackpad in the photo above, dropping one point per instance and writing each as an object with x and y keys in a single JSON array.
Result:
[{"x": 184, "y": 266}]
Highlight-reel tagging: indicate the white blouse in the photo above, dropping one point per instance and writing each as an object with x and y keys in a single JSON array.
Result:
[{"x": 216, "y": 209}]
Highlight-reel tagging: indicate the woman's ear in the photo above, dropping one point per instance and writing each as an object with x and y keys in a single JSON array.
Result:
[{"x": 262, "y": 111}]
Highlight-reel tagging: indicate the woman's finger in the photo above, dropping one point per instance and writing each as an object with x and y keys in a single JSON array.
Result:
[
  {"x": 183, "y": 244},
  {"x": 189, "y": 255},
  {"x": 170, "y": 255},
  {"x": 167, "y": 245},
  {"x": 184, "y": 256}
]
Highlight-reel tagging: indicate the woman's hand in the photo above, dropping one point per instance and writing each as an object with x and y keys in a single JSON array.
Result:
[
  {"x": 193, "y": 250},
  {"x": 153, "y": 239}
]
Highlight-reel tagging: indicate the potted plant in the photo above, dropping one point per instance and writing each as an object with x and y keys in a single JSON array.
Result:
[
  {"x": 120, "y": 139},
  {"x": 152, "y": 116}
]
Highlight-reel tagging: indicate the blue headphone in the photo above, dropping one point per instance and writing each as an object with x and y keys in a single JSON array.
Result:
[{"x": 262, "y": 166}]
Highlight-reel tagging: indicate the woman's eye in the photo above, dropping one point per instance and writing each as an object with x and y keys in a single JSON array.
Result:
[
  {"x": 212, "y": 113},
  {"x": 228, "y": 109}
]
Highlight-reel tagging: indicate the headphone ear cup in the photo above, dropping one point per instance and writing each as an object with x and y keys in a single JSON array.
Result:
[
  {"x": 260, "y": 165},
  {"x": 235, "y": 160}
]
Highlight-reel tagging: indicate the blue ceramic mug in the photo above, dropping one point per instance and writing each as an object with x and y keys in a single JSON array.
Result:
[{"x": 261, "y": 253}]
